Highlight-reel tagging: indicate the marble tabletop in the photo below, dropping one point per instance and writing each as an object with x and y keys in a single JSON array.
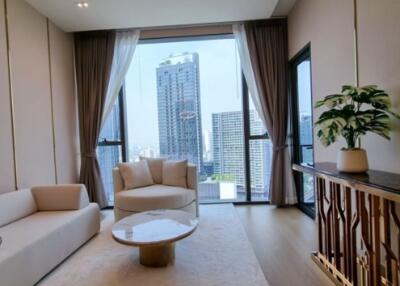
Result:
[{"x": 154, "y": 227}]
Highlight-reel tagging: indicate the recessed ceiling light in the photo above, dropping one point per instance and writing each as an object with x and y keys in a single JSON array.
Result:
[{"x": 82, "y": 4}]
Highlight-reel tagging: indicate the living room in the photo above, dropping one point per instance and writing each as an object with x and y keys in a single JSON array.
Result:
[{"x": 199, "y": 142}]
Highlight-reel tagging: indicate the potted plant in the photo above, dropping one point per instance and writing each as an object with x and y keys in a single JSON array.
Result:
[{"x": 351, "y": 114}]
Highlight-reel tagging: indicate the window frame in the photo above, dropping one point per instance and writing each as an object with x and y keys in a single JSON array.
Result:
[
  {"x": 245, "y": 114},
  {"x": 122, "y": 117},
  {"x": 248, "y": 137},
  {"x": 296, "y": 146}
]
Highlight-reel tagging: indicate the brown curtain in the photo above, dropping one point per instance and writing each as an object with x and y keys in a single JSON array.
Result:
[
  {"x": 268, "y": 49},
  {"x": 93, "y": 59}
]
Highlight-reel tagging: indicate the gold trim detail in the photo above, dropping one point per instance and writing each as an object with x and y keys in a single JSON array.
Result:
[
  {"x": 11, "y": 95},
  {"x": 330, "y": 270},
  {"x": 356, "y": 60},
  {"x": 52, "y": 102}
]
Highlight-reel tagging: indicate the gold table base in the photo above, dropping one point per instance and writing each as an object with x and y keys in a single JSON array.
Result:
[{"x": 157, "y": 255}]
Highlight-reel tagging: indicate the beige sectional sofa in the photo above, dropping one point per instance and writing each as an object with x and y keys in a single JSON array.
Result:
[{"x": 40, "y": 227}]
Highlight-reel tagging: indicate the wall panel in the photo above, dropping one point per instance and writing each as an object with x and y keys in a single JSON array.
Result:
[
  {"x": 64, "y": 104},
  {"x": 31, "y": 93},
  {"x": 6, "y": 148},
  {"x": 328, "y": 26},
  {"x": 379, "y": 63}
]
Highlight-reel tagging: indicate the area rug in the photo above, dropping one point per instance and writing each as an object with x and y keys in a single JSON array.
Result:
[{"x": 217, "y": 253}]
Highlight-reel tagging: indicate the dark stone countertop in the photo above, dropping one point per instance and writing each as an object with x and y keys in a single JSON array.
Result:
[{"x": 385, "y": 181}]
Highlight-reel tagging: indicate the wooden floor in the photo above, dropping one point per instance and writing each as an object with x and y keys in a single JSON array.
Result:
[{"x": 282, "y": 239}]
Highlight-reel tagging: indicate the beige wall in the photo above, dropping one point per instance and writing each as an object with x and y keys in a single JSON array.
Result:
[
  {"x": 31, "y": 93},
  {"x": 40, "y": 84},
  {"x": 6, "y": 150},
  {"x": 64, "y": 105},
  {"x": 328, "y": 26},
  {"x": 379, "y": 58}
]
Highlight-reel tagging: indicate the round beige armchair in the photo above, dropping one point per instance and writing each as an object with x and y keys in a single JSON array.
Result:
[{"x": 157, "y": 196}]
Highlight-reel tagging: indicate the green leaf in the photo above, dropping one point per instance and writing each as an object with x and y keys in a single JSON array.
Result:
[
  {"x": 331, "y": 101},
  {"x": 353, "y": 113}
]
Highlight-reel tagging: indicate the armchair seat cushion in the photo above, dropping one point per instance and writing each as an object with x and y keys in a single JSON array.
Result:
[{"x": 154, "y": 197}]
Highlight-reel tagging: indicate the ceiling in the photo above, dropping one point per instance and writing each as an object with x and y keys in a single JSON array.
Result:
[{"x": 112, "y": 14}]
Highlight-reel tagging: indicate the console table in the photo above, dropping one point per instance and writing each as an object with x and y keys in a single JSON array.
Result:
[{"x": 358, "y": 225}]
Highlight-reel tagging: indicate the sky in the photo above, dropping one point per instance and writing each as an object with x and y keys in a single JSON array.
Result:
[
  {"x": 220, "y": 84},
  {"x": 304, "y": 87}
]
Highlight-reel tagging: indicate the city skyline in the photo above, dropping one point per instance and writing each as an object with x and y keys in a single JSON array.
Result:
[
  {"x": 179, "y": 113},
  {"x": 220, "y": 84},
  {"x": 228, "y": 150},
  {"x": 170, "y": 114}
]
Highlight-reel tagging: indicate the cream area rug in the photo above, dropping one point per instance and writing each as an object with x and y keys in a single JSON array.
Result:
[{"x": 217, "y": 253}]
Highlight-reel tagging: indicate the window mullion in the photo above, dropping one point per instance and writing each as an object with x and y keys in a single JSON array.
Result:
[
  {"x": 246, "y": 127},
  {"x": 122, "y": 118}
]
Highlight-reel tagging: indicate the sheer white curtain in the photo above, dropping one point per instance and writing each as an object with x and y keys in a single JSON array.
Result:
[
  {"x": 125, "y": 45},
  {"x": 261, "y": 105},
  {"x": 244, "y": 55}
]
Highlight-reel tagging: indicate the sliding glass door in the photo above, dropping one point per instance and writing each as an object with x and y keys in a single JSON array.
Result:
[{"x": 300, "y": 69}]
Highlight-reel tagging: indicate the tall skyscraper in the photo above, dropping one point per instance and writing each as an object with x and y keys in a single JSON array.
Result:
[
  {"x": 306, "y": 129},
  {"x": 306, "y": 138},
  {"x": 228, "y": 150},
  {"x": 260, "y": 157},
  {"x": 207, "y": 145},
  {"x": 179, "y": 115},
  {"x": 228, "y": 145}
]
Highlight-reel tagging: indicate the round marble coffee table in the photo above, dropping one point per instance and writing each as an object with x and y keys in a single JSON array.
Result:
[{"x": 155, "y": 233}]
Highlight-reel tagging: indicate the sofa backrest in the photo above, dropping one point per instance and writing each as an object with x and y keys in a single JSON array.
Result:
[
  {"x": 118, "y": 181},
  {"x": 16, "y": 205},
  {"x": 191, "y": 179}
]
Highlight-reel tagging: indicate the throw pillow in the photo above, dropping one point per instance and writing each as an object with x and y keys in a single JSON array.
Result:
[
  {"x": 155, "y": 166},
  {"x": 174, "y": 173},
  {"x": 135, "y": 175}
]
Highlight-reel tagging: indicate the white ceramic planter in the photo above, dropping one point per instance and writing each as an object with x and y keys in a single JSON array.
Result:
[{"x": 352, "y": 161}]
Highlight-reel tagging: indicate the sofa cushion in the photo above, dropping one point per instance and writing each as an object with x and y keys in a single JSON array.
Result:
[
  {"x": 155, "y": 166},
  {"x": 135, "y": 175},
  {"x": 16, "y": 205},
  {"x": 154, "y": 197},
  {"x": 175, "y": 173},
  {"x": 39, "y": 242},
  {"x": 61, "y": 197}
]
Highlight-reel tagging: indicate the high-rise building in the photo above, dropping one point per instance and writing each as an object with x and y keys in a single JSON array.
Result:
[
  {"x": 260, "y": 158},
  {"x": 306, "y": 138},
  {"x": 207, "y": 145},
  {"x": 228, "y": 145},
  {"x": 228, "y": 150},
  {"x": 179, "y": 115}
]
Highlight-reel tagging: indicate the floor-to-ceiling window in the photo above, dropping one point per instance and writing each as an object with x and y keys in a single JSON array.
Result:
[
  {"x": 259, "y": 154},
  {"x": 300, "y": 68},
  {"x": 185, "y": 99},
  {"x": 111, "y": 146}
]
